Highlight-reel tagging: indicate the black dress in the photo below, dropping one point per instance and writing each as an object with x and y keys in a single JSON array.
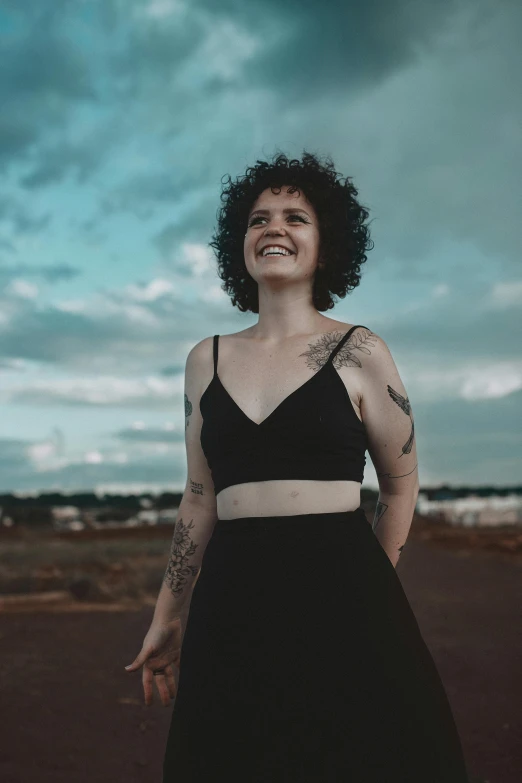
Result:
[{"x": 302, "y": 661}]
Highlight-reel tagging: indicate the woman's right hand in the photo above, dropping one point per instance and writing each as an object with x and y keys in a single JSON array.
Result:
[{"x": 161, "y": 650}]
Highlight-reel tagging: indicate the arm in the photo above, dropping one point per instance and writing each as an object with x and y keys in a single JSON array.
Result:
[
  {"x": 197, "y": 510},
  {"x": 388, "y": 418}
]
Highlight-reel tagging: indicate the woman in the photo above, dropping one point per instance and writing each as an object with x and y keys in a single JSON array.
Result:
[{"x": 302, "y": 659}]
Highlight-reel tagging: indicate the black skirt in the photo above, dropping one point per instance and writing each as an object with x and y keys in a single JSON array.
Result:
[{"x": 302, "y": 660}]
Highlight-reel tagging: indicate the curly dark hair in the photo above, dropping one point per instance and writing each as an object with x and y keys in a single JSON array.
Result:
[{"x": 344, "y": 237}]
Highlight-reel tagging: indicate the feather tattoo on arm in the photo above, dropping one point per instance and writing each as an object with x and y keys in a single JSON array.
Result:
[
  {"x": 404, "y": 405},
  {"x": 188, "y": 410},
  {"x": 379, "y": 511}
]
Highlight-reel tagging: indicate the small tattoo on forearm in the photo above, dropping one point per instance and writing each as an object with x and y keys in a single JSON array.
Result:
[
  {"x": 404, "y": 405},
  {"x": 379, "y": 511},
  {"x": 196, "y": 488},
  {"x": 188, "y": 410},
  {"x": 179, "y": 572}
]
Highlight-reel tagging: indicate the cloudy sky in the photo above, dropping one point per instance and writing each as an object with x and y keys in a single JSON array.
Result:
[{"x": 119, "y": 118}]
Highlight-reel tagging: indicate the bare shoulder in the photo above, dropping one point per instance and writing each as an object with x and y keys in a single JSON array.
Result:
[
  {"x": 373, "y": 346},
  {"x": 368, "y": 356},
  {"x": 370, "y": 351},
  {"x": 199, "y": 366},
  {"x": 200, "y": 352},
  {"x": 363, "y": 348}
]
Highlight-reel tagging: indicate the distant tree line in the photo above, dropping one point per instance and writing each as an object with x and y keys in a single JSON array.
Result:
[{"x": 37, "y": 510}]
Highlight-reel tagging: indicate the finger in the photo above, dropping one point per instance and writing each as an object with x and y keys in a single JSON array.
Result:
[
  {"x": 163, "y": 690},
  {"x": 171, "y": 682},
  {"x": 146, "y": 679},
  {"x": 139, "y": 660}
]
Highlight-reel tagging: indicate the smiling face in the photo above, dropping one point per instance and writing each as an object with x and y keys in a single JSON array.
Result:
[{"x": 290, "y": 221}]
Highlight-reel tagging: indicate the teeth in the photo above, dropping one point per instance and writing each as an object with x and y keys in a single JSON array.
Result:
[{"x": 274, "y": 251}]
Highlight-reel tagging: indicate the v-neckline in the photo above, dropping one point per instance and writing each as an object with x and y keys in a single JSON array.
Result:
[{"x": 288, "y": 397}]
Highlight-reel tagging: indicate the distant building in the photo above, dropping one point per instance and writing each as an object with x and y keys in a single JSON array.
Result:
[
  {"x": 168, "y": 516},
  {"x": 473, "y": 511},
  {"x": 67, "y": 518},
  {"x": 148, "y": 516}
]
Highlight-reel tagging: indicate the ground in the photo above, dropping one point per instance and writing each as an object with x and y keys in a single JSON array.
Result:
[{"x": 71, "y": 714}]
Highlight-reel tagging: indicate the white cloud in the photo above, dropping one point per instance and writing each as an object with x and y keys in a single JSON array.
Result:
[
  {"x": 41, "y": 452},
  {"x": 161, "y": 9},
  {"x": 470, "y": 382},
  {"x": 71, "y": 305},
  {"x": 507, "y": 294},
  {"x": 442, "y": 289},
  {"x": 214, "y": 293},
  {"x": 93, "y": 457},
  {"x": 149, "y": 291},
  {"x": 221, "y": 54},
  {"x": 197, "y": 258},
  {"x": 492, "y": 382},
  {"x": 22, "y": 288},
  {"x": 99, "y": 390}
]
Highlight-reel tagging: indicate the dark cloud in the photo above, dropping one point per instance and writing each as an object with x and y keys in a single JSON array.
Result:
[
  {"x": 337, "y": 47},
  {"x": 194, "y": 227},
  {"x": 15, "y": 365},
  {"x": 110, "y": 336},
  {"x": 18, "y": 216},
  {"x": 13, "y": 454},
  {"x": 43, "y": 76},
  {"x": 302, "y": 50},
  {"x": 51, "y": 273},
  {"x": 7, "y": 246},
  {"x": 445, "y": 431},
  {"x": 172, "y": 369},
  {"x": 21, "y": 476},
  {"x": 151, "y": 48},
  {"x": 451, "y": 333},
  {"x": 63, "y": 158},
  {"x": 134, "y": 71},
  {"x": 60, "y": 335},
  {"x": 473, "y": 440},
  {"x": 150, "y": 435},
  {"x": 144, "y": 400}
]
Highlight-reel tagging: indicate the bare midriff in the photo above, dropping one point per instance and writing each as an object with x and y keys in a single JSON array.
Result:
[{"x": 287, "y": 497}]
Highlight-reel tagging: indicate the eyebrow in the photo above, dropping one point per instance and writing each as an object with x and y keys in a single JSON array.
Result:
[{"x": 288, "y": 211}]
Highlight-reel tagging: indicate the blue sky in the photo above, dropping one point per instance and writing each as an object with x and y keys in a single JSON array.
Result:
[{"x": 119, "y": 120}]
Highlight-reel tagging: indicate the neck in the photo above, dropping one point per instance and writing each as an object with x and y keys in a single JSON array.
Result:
[{"x": 287, "y": 313}]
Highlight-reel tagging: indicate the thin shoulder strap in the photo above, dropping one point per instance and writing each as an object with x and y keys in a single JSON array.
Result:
[
  {"x": 216, "y": 338},
  {"x": 343, "y": 340}
]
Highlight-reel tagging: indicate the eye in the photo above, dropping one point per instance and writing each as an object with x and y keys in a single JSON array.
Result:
[{"x": 294, "y": 216}]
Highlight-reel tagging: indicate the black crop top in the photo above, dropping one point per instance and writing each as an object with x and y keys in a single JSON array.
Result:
[{"x": 314, "y": 433}]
